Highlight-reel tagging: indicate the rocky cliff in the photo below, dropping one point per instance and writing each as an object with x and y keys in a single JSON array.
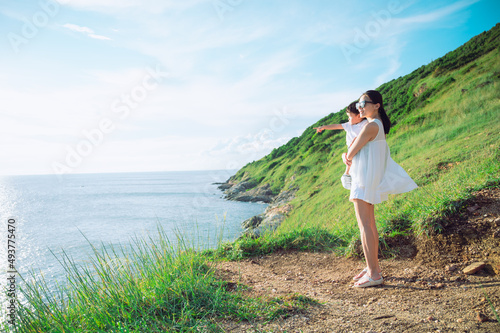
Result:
[{"x": 247, "y": 191}]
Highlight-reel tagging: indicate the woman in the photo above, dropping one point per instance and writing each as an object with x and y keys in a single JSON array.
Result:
[{"x": 374, "y": 176}]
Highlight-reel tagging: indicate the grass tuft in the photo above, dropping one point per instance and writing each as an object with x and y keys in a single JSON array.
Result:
[
  {"x": 150, "y": 286},
  {"x": 491, "y": 305},
  {"x": 312, "y": 239}
]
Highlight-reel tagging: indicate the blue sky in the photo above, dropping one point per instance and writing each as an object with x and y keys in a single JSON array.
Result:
[{"x": 143, "y": 85}]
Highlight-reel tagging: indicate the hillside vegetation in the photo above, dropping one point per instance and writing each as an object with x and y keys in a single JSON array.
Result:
[{"x": 445, "y": 135}]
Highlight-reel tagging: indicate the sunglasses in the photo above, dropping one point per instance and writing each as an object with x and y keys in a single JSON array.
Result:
[{"x": 362, "y": 104}]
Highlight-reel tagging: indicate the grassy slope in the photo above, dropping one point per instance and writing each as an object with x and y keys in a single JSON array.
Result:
[{"x": 446, "y": 139}]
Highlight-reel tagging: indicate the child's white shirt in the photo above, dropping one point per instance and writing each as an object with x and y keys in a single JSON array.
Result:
[{"x": 352, "y": 131}]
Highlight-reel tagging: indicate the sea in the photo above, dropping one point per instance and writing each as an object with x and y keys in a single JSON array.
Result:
[{"x": 44, "y": 216}]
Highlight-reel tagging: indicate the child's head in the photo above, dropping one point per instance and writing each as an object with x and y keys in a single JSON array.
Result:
[{"x": 353, "y": 114}]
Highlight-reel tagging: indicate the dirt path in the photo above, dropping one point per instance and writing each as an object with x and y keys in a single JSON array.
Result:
[
  {"x": 425, "y": 292},
  {"x": 413, "y": 298}
]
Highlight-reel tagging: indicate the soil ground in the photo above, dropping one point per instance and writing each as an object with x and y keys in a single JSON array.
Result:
[{"x": 424, "y": 290}]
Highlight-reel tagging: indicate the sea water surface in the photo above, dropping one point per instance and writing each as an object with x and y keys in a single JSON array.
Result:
[{"x": 55, "y": 214}]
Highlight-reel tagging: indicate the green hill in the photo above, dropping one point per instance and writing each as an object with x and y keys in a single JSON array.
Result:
[{"x": 445, "y": 134}]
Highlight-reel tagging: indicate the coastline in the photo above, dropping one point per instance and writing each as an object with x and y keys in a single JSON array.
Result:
[{"x": 248, "y": 191}]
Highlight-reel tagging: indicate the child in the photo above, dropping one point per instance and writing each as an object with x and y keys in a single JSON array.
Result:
[{"x": 352, "y": 129}]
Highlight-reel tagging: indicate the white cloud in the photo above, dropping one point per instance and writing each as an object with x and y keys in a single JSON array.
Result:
[
  {"x": 77, "y": 28},
  {"x": 248, "y": 145},
  {"x": 241, "y": 150},
  {"x": 436, "y": 14},
  {"x": 99, "y": 37},
  {"x": 85, "y": 30},
  {"x": 388, "y": 53},
  {"x": 394, "y": 65}
]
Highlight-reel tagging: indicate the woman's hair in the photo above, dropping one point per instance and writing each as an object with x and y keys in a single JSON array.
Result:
[
  {"x": 352, "y": 108},
  {"x": 376, "y": 97}
]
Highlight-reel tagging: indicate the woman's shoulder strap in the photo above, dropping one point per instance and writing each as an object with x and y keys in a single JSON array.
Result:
[{"x": 381, "y": 132}]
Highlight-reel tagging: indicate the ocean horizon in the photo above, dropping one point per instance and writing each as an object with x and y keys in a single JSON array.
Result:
[{"x": 72, "y": 213}]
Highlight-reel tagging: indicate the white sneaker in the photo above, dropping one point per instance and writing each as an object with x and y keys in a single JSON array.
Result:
[{"x": 346, "y": 181}]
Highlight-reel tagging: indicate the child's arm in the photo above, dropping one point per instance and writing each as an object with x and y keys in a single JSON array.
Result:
[{"x": 328, "y": 127}]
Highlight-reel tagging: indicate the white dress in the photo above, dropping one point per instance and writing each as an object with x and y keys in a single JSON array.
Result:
[
  {"x": 374, "y": 173},
  {"x": 352, "y": 131}
]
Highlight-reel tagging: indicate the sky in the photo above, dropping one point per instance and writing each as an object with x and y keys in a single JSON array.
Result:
[{"x": 89, "y": 86}]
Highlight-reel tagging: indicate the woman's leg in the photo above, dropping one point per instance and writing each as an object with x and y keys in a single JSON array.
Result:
[{"x": 365, "y": 214}]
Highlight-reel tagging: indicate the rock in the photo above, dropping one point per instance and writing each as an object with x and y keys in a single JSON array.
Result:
[
  {"x": 253, "y": 222},
  {"x": 237, "y": 188},
  {"x": 422, "y": 89},
  {"x": 261, "y": 193},
  {"x": 473, "y": 208},
  {"x": 451, "y": 268},
  {"x": 223, "y": 186},
  {"x": 481, "y": 317},
  {"x": 272, "y": 217},
  {"x": 285, "y": 196},
  {"x": 247, "y": 191},
  {"x": 474, "y": 268}
]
